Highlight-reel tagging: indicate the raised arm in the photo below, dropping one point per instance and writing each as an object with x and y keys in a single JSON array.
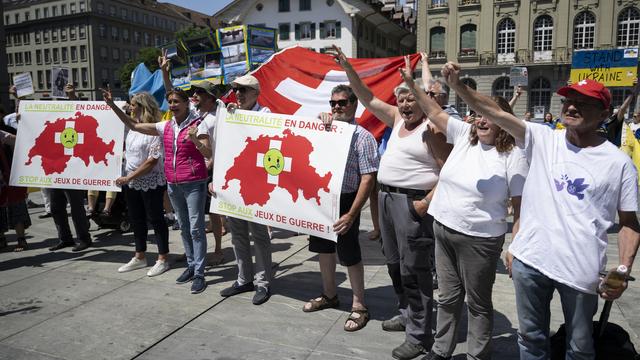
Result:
[
  {"x": 516, "y": 95},
  {"x": 431, "y": 108},
  {"x": 163, "y": 63},
  {"x": 627, "y": 102},
  {"x": 145, "y": 128},
  {"x": 427, "y": 79},
  {"x": 483, "y": 104},
  {"x": 380, "y": 109}
]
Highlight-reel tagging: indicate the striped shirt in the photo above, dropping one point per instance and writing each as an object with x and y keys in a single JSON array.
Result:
[{"x": 362, "y": 159}]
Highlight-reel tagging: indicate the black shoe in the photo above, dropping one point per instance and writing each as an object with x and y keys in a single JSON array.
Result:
[
  {"x": 407, "y": 351},
  {"x": 236, "y": 289},
  {"x": 61, "y": 245},
  {"x": 262, "y": 295},
  {"x": 198, "y": 285},
  {"x": 393, "y": 324},
  {"x": 433, "y": 356},
  {"x": 186, "y": 276},
  {"x": 45, "y": 215},
  {"x": 81, "y": 246}
]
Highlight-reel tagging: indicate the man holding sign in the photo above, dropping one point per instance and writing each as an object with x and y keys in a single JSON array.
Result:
[{"x": 359, "y": 179}]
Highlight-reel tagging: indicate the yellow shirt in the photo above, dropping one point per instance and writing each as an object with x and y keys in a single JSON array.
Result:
[{"x": 631, "y": 146}]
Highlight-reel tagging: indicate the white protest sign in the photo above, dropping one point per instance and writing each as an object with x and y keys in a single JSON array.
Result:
[
  {"x": 23, "y": 84},
  {"x": 68, "y": 145},
  {"x": 280, "y": 170}
]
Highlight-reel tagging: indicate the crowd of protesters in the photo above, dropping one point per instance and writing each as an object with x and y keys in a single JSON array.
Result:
[{"x": 446, "y": 187}]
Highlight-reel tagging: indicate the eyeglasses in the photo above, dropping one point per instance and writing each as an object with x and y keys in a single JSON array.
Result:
[
  {"x": 578, "y": 103},
  {"x": 340, "y": 103},
  {"x": 434, "y": 94},
  {"x": 241, "y": 89}
]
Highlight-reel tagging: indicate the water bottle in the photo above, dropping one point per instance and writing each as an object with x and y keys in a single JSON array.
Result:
[{"x": 614, "y": 279}]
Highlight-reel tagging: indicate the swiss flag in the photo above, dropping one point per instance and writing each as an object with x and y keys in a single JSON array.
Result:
[{"x": 298, "y": 81}]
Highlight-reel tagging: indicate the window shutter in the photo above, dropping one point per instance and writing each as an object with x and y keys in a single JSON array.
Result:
[
  {"x": 297, "y": 31},
  {"x": 313, "y": 30},
  {"x": 338, "y": 28},
  {"x": 322, "y": 31}
]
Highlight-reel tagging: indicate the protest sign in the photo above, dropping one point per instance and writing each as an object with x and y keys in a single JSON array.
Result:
[
  {"x": 518, "y": 76},
  {"x": 68, "y": 145},
  {"x": 280, "y": 170},
  {"x": 23, "y": 84},
  {"x": 59, "y": 78},
  {"x": 614, "y": 67}
]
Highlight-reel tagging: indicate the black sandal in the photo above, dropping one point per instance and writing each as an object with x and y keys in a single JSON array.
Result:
[
  {"x": 359, "y": 317},
  {"x": 322, "y": 302},
  {"x": 22, "y": 245}
]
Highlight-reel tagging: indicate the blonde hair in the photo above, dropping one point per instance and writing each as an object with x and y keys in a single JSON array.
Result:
[{"x": 149, "y": 109}]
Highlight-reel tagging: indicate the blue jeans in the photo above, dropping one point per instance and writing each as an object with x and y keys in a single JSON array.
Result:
[
  {"x": 188, "y": 200},
  {"x": 533, "y": 296}
]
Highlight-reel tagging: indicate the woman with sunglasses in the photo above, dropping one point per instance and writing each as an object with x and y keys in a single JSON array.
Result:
[
  {"x": 186, "y": 146},
  {"x": 482, "y": 172}
]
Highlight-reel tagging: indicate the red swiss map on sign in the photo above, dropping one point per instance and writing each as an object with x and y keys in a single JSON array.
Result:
[
  {"x": 63, "y": 139},
  {"x": 276, "y": 161}
]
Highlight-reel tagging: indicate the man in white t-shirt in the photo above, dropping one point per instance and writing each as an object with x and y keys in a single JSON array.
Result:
[{"x": 577, "y": 182}]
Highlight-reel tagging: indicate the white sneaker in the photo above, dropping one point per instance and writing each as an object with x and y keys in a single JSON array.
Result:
[
  {"x": 133, "y": 264},
  {"x": 158, "y": 268}
]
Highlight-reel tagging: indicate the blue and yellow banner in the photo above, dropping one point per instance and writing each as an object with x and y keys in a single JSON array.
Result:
[{"x": 614, "y": 67}]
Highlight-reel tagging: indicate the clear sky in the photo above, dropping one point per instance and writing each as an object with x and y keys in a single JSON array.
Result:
[{"x": 208, "y": 7}]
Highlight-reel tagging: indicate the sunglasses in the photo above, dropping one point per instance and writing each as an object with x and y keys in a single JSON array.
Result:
[
  {"x": 579, "y": 104},
  {"x": 241, "y": 89},
  {"x": 340, "y": 103}
]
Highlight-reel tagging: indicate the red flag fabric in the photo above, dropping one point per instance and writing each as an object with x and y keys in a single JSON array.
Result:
[{"x": 298, "y": 81}]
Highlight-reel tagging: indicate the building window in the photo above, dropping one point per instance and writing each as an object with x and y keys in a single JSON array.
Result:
[
  {"x": 468, "y": 40},
  {"x": 305, "y": 5},
  {"x": 37, "y": 14},
  {"x": 115, "y": 54},
  {"x": 102, "y": 31},
  {"x": 147, "y": 39},
  {"x": 82, "y": 32},
  {"x": 17, "y": 18},
  {"x": 74, "y": 76},
  {"x": 629, "y": 27},
  {"x": 305, "y": 31},
  {"x": 438, "y": 3},
  {"x": 85, "y": 77},
  {"x": 584, "y": 31},
  {"x": 123, "y": 13},
  {"x": 506, "y": 43},
  {"x": 146, "y": 19},
  {"x": 65, "y": 55},
  {"x": 45, "y": 12},
  {"x": 283, "y": 6},
  {"x": 543, "y": 33},
  {"x": 10, "y": 59},
  {"x": 116, "y": 79},
  {"x": 56, "y": 57},
  {"x": 45, "y": 36},
  {"x": 38, "y": 56},
  {"x": 47, "y": 57},
  {"x": 100, "y": 7},
  {"x": 284, "y": 30},
  {"x": 83, "y": 6},
  {"x": 47, "y": 82},
  {"x": 461, "y": 106},
  {"x": 330, "y": 30},
  {"x": 112, "y": 10},
  {"x": 72, "y": 8},
  {"x": 54, "y": 11},
  {"x": 114, "y": 33},
  {"x": 74, "y": 53},
  {"x": 54, "y": 35},
  {"x": 17, "y": 39},
  {"x": 103, "y": 53},
  {"x": 8, "y": 41},
  {"x": 136, "y": 37},
  {"x": 501, "y": 87},
  {"x": 83, "y": 52},
  {"x": 72, "y": 33},
  {"x": 158, "y": 41},
  {"x": 436, "y": 43},
  {"x": 37, "y": 37},
  {"x": 40, "y": 79},
  {"x": 126, "y": 55},
  {"x": 63, "y": 34},
  {"x": 125, "y": 35},
  {"x": 27, "y": 57},
  {"x": 26, "y": 39},
  {"x": 18, "y": 57},
  {"x": 540, "y": 94},
  {"x": 63, "y": 9},
  {"x": 26, "y": 16},
  {"x": 105, "y": 75}
]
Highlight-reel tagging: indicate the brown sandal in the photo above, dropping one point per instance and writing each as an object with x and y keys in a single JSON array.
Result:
[
  {"x": 322, "y": 302},
  {"x": 359, "y": 317}
]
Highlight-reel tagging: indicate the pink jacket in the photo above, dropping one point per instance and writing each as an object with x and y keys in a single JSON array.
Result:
[{"x": 190, "y": 164}]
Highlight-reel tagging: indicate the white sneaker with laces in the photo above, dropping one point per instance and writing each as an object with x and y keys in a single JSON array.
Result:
[
  {"x": 133, "y": 264},
  {"x": 158, "y": 268}
]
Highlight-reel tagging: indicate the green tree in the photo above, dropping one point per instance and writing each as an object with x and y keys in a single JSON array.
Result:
[
  {"x": 191, "y": 32},
  {"x": 148, "y": 56}
]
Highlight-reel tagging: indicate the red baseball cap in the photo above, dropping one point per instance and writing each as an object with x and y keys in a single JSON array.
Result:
[{"x": 590, "y": 88}]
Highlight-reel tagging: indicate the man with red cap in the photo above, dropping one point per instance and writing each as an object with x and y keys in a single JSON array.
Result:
[{"x": 577, "y": 182}]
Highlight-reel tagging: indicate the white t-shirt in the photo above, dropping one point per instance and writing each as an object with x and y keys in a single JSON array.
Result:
[
  {"x": 569, "y": 202},
  {"x": 475, "y": 184},
  {"x": 408, "y": 162}
]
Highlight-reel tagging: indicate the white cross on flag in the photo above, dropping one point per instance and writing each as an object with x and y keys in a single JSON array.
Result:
[{"x": 69, "y": 137}]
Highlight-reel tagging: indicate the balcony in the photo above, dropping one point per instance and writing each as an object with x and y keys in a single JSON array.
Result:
[
  {"x": 527, "y": 57},
  {"x": 437, "y": 57},
  {"x": 468, "y": 55},
  {"x": 468, "y": 4},
  {"x": 435, "y": 6}
]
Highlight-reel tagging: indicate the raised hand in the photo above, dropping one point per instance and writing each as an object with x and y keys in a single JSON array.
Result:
[
  {"x": 427, "y": 79},
  {"x": 163, "y": 61},
  {"x": 13, "y": 92},
  {"x": 326, "y": 119},
  {"x": 407, "y": 76},
  {"x": 451, "y": 74},
  {"x": 106, "y": 95},
  {"x": 340, "y": 58}
]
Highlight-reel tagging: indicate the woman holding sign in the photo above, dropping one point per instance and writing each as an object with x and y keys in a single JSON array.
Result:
[{"x": 186, "y": 146}]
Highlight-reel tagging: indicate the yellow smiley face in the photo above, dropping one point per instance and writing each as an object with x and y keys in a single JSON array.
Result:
[
  {"x": 273, "y": 162},
  {"x": 69, "y": 138}
]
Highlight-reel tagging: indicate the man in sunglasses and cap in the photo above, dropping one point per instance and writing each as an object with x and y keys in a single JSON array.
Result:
[
  {"x": 577, "y": 182},
  {"x": 247, "y": 89}
]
